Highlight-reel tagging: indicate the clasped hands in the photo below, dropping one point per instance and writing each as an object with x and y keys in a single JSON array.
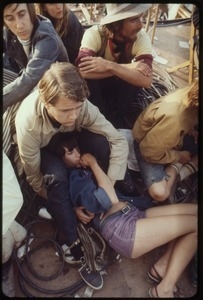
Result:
[{"x": 100, "y": 65}]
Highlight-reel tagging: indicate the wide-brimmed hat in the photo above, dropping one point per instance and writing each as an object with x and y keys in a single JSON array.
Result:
[{"x": 118, "y": 11}]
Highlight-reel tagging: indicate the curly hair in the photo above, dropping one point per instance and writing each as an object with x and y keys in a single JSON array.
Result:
[
  {"x": 110, "y": 29},
  {"x": 193, "y": 95}
]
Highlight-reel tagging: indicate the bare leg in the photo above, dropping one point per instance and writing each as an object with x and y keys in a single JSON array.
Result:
[
  {"x": 182, "y": 253},
  {"x": 164, "y": 224},
  {"x": 176, "y": 223},
  {"x": 172, "y": 209},
  {"x": 162, "y": 264},
  {"x": 154, "y": 232}
]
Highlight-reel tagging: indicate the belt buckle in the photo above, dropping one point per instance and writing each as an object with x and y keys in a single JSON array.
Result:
[{"x": 125, "y": 210}]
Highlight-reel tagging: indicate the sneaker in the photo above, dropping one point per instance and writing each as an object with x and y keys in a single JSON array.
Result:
[
  {"x": 93, "y": 279},
  {"x": 69, "y": 258}
]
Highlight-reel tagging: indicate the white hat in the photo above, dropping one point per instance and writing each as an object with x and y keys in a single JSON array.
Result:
[{"x": 118, "y": 11}]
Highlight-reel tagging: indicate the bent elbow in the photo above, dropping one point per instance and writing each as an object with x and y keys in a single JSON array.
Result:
[
  {"x": 148, "y": 83},
  {"x": 144, "y": 83}
]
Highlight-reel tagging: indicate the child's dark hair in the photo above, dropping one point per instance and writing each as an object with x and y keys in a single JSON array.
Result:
[{"x": 61, "y": 140}]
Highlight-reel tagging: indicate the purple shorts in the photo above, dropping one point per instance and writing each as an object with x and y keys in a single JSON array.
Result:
[{"x": 119, "y": 230}]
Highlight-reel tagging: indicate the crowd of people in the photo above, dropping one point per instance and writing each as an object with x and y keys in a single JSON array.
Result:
[{"x": 73, "y": 91}]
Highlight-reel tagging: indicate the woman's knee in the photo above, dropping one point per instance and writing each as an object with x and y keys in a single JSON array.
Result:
[{"x": 158, "y": 192}]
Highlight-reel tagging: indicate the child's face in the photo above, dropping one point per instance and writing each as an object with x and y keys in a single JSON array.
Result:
[{"x": 72, "y": 158}]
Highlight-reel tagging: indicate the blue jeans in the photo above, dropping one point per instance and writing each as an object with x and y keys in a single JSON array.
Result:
[
  {"x": 114, "y": 98},
  {"x": 56, "y": 178},
  {"x": 153, "y": 172}
]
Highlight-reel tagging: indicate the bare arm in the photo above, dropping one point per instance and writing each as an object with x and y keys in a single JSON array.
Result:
[
  {"x": 136, "y": 73},
  {"x": 88, "y": 160}
]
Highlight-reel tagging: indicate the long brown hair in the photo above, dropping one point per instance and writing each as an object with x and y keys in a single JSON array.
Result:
[{"x": 61, "y": 26}]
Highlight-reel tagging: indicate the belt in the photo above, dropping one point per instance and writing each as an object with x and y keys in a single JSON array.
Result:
[{"x": 125, "y": 210}]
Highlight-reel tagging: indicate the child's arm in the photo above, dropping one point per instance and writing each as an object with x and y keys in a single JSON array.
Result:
[{"x": 88, "y": 160}]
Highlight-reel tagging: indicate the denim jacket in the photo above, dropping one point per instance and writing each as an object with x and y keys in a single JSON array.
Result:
[
  {"x": 84, "y": 191},
  {"x": 46, "y": 48}
]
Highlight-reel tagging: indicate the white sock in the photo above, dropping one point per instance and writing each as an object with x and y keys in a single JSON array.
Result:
[
  {"x": 188, "y": 169},
  {"x": 177, "y": 166}
]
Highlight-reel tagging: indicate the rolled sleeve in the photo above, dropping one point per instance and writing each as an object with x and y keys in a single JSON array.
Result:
[
  {"x": 103, "y": 198},
  {"x": 84, "y": 192}
]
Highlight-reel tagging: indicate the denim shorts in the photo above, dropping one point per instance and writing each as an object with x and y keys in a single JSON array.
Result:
[
  {"x": 119, "y": 230},
  {"x": 150, "y": 172}
]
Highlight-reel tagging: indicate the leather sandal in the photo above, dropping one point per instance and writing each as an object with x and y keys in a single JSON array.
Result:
[
  {"x": 151, "y": 295},
  {"x": 178, "y": 294},
  {"x": 156, "y": 279}
]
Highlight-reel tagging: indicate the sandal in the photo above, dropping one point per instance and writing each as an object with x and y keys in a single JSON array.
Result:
[
  {"x": 178, "y": 294},
  {"x": 151, "y": 295},
  {"x": 156, "y": 279}
]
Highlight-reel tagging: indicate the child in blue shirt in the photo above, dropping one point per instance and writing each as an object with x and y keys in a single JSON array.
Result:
[{"x": 89, "y": 186}]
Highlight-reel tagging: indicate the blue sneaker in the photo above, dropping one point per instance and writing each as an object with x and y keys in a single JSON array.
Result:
[{"x": 93, "y": 279}]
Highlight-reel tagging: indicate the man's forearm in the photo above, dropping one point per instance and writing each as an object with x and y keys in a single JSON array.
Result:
[{"x": 131, "y": 74}]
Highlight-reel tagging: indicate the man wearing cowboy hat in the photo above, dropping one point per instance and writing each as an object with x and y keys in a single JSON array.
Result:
[{"x": 115, "y": 58}]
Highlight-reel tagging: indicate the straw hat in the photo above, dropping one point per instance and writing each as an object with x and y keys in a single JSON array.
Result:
[{"x": 120, "y": 11}]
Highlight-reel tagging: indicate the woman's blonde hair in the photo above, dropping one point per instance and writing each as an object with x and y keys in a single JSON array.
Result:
[
  {"x": 62, "y": 80},
  {"x": 61, "y": 26},
  {"x": 193, "y": 95}
]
